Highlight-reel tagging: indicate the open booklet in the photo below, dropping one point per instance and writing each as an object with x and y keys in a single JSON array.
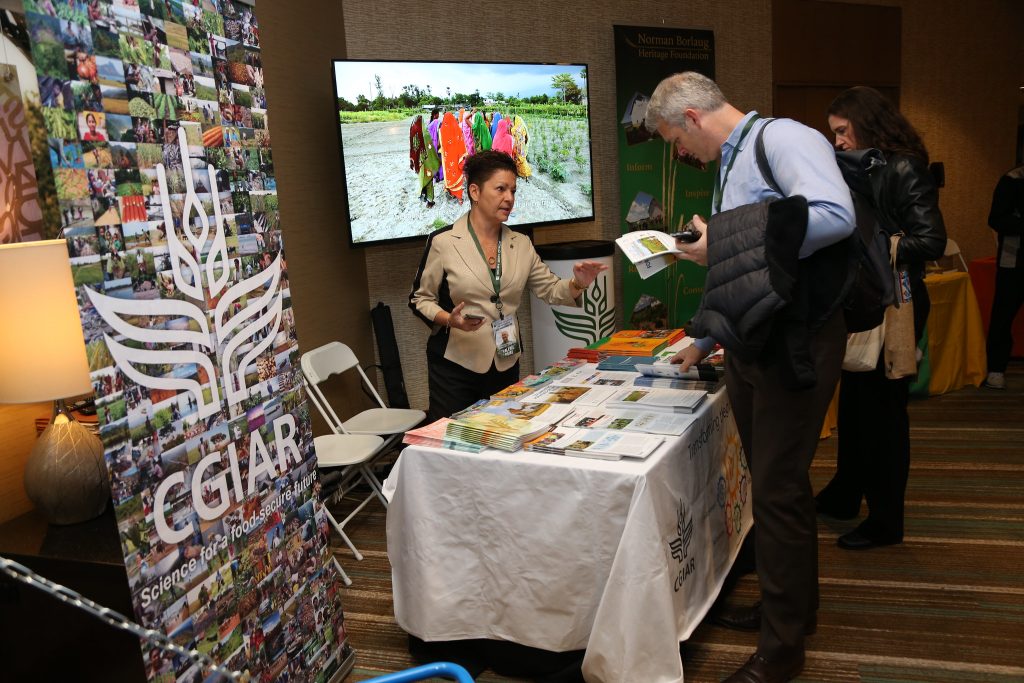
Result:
[{"x": 651, "y": 251}]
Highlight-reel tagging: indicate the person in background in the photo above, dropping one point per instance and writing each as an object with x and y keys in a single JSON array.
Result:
[
  {"x": 873, "y": 452},
  {"x": 433, "y": 128},
  {"x": 469, "y": 285},
  {"x": 778, "y": 419},
  {"x": 467, "y": 132},
  {"x": 520, "y": 146},
  {"x": 423, "y": 159},
  {"x": 502, "y": 140},
  {"x": 1007, "y": 218},
  {"x": 481, "y": 133}
]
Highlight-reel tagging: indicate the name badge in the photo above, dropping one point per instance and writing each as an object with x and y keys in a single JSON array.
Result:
[{"x": 505, "y": 337}]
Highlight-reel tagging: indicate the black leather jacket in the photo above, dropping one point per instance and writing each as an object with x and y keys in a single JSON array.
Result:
[{"x": 907, "y": 196}]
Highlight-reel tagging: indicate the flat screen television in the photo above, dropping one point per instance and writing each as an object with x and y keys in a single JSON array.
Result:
[{"x": 548, "y": 131}]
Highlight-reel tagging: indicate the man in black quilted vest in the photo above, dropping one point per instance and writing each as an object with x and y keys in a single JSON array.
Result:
[{"x": 781, "y": 389}]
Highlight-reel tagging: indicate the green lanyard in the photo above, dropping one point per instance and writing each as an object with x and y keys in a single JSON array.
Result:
[
  {"x": 496, "y": 273},
  {"x": 719, "y": 180}
]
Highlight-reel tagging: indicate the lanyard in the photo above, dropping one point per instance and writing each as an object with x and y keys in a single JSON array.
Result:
[
  {"x": 496, "y": 273},
  {"x": 719, "y": 180}
]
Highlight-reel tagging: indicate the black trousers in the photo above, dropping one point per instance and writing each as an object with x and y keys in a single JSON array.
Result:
[
  {"x": 779, "y": 428},
  {"x": 453, "y": 387},
  {"x": 1008, "y": 298},
  {"x": 873, "y": 452}
]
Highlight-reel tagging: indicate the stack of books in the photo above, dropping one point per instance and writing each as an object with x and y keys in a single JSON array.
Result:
[
  {"x": 434, "y": 436},
  {"x": 504, "y": 425},
  {"x": 495, "y": 431},
  {"x": 553, "y": 441},
  {"x": 640, "y": 342}
]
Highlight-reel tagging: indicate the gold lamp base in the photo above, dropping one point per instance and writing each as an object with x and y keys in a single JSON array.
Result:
[{"x": 65, "y": 476}]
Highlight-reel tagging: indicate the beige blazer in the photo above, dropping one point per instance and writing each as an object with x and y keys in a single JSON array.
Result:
[{"x": 452, "y": 271}]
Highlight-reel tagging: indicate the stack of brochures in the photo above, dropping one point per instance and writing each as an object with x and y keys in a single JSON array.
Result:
[
  {"x": 668, "y": 400},
  {"x": 552, "y": 441},
  {"x": 702, "y": 376},
  {"x": 495, "y": 431},
  {"x": 595, "y": 443},
  {"x": 434, "y": 436},
  {"x": 504, "y": 424}
]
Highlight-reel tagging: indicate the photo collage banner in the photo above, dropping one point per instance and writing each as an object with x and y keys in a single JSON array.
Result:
[
  {"x": 157, "y": 134},
  {"x": 657, "y": 190}
]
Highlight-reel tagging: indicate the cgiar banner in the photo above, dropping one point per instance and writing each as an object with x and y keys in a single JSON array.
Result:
[
  {"x": 657, "y": 190},
  {"x": 158, "y": 130}
]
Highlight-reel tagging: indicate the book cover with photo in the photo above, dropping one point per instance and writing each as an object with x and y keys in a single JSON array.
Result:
[
  {"x": 675, "y": 400},
  {"x": 645, "y": 422},
  {"x": 613, "y": 445}
]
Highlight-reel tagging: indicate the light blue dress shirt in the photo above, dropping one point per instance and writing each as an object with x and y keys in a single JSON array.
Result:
[{"x": 803, "y": 162}]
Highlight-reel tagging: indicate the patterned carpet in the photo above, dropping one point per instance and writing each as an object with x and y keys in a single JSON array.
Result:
[{"x": 946, "y": 606}]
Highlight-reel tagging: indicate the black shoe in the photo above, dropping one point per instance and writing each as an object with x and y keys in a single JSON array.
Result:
[
  {"x": 749, "y": 619},
  {"x": 859, "y": 539},
  {"x": 760, "y": 670}
]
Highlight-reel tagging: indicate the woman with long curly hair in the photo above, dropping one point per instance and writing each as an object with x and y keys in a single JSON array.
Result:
[{"x": 873, "y": 455}]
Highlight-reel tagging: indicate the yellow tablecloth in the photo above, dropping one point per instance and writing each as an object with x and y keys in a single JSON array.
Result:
[{"x": 956, "y": 338}]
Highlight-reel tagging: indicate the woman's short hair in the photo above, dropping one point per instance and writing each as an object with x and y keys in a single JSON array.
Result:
[
  {"x": 877, "y": 122},
  {"x": 481, "y": 166}
]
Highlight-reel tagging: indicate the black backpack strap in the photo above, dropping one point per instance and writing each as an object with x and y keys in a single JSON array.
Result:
[{"x": 762, "y": 159}]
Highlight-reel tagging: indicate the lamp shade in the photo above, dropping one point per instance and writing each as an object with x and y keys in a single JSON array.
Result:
[{"x": 42, "y": 350}]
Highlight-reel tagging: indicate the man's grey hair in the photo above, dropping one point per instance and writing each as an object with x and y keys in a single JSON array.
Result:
[{"x": 679, "y": 92}]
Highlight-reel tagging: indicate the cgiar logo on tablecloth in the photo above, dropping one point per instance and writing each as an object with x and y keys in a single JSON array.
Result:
[{"x": 679, "y": 546}]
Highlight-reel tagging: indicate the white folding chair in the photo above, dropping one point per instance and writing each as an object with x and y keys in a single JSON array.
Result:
[
  {"x": 358, "y": 441},
  {"x": 345, "y": 459},
  {"x": 335, "y": 358}
]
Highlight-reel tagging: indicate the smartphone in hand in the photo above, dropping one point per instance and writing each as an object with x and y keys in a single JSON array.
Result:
[
  {"x": 472, "y": 316},
  {"x": 688, "y": 236},
  {"x": 689, "y": 233}
]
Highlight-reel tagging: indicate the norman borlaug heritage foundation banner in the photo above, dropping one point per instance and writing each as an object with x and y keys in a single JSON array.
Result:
[
  {"x": 657, "y": 191},
  {"x": 157, "y": 126}
]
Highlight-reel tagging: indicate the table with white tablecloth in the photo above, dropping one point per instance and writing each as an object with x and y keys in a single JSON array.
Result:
[{"x": 621, "y": 558}]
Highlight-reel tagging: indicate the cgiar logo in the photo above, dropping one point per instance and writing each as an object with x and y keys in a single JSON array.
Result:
[
  {"x": 597, "y": 319},
  {"x": 679, "y": 546},
  {"x": 246, "y": 320},
  {"x": 201, "y": 270}
]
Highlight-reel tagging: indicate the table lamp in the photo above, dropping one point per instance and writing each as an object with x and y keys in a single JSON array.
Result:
[{"x": 42, "y": 357}]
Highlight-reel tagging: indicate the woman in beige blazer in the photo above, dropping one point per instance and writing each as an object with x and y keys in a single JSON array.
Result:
[{"x": 469, "y": 285}]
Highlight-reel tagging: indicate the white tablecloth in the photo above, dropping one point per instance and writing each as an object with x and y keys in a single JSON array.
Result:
[{"x": 622, "y": 558}]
